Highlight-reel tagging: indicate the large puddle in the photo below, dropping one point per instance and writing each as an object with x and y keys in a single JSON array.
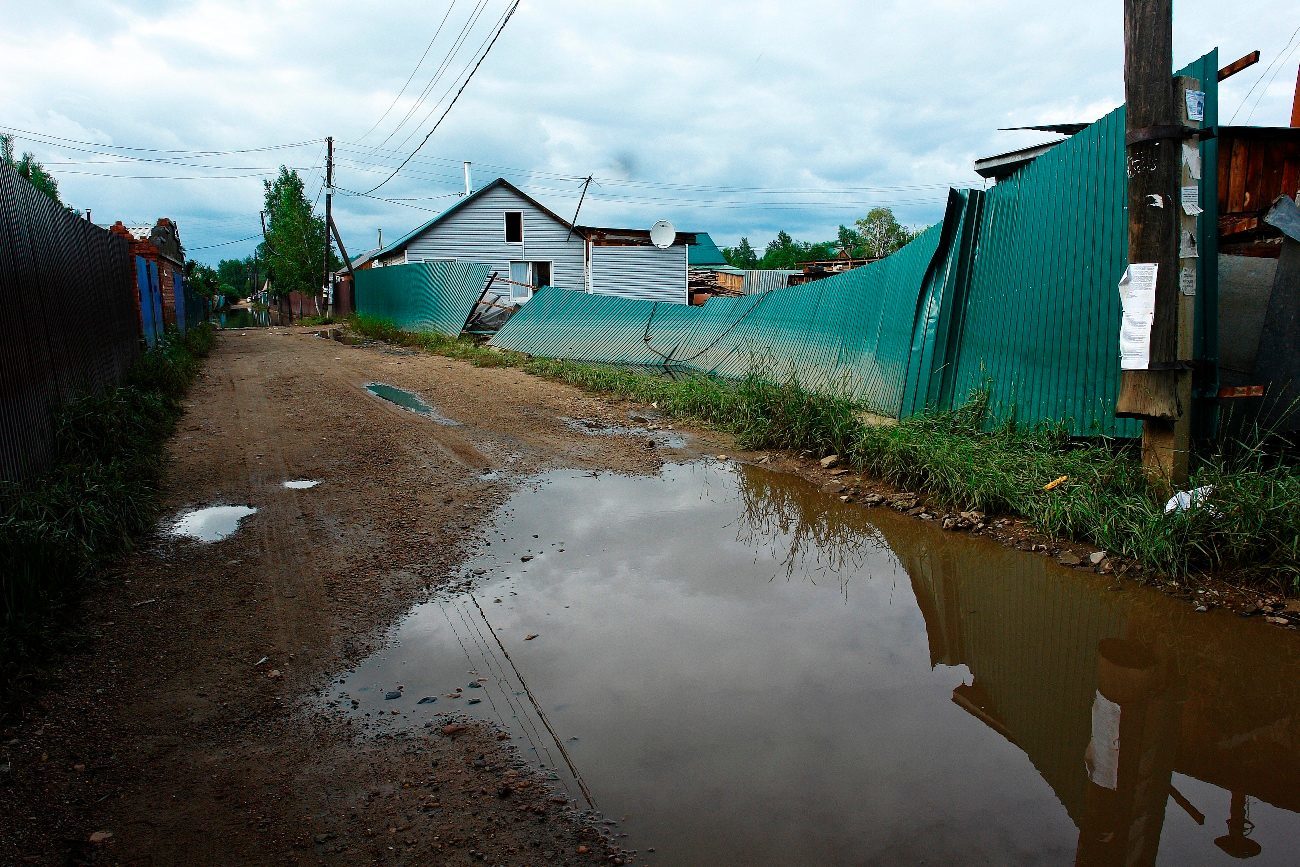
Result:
[
  {"x": 744, "y": 670},
  {"x": 408, "y": 401}
]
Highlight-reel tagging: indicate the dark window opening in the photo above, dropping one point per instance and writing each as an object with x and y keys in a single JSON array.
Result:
[
  {"x": 514, "y": 227},
  {"x": 541, "y": 274}
]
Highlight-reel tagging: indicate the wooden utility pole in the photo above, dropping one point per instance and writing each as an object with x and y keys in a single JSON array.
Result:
[
  {"x": 329, "y": 219},
  {"x": 1159, "y": 395}
]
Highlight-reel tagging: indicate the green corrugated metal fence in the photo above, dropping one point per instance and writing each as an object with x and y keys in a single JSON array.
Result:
[
  {"x": 843, "y": 333},
  {"x": 423, "y": 296},
  {"x": 1017, "y": 288}
]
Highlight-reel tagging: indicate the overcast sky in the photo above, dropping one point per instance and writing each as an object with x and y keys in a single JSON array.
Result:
[{"x": 732, "y": 118}]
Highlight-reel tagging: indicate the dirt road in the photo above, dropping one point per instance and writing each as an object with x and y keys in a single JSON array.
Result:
[{"x": 166, "y": 741}]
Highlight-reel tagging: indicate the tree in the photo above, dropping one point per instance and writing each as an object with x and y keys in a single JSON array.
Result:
[
  {"x": 29, "y": 168},
  {"x": 881, "y": 233},
  {"x": 201, "y": 278},
  {"x": 238, "y": 273},
  {"x": 295, "y": 238},
  {"x": 742, "y": 255},
  {"x": 850, "y": 242}
]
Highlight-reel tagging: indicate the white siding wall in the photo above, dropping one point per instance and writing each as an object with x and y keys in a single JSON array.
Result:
[
  {"x": 640, "y": 272},
  {"x": 476, "y": 233}
]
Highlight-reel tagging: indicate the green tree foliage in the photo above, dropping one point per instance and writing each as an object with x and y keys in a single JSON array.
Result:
[
  {"x": 881, "y": 233},
  {"x": 295, "y": 238},
  {"x": 742, "y": 255},
  {"x": 201, "y": 278},
  {"x": 27, "y": 167},
  {"x": 230, "y": 293},
  {"x": 239, "y": 274}
]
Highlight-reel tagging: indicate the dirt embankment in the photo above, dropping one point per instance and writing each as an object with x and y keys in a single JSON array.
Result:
[{"x": 170, "y": 740}]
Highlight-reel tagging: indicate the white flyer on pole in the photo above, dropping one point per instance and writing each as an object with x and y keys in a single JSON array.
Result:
[{"x": 1137, "y": 298}]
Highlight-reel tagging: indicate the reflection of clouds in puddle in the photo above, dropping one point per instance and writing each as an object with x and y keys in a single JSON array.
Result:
[
  {"x": 300, "y": 484},
  {"x": 408, "y": 401},
  {"x": 210, "y": 524}
]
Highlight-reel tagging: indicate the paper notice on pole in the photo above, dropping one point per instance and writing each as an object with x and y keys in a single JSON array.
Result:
[
  {"x": 1187, "y": 280},
  {"x": 1195, "y": 104},
  {"x": 1102, "y": 756},
  {"x": 1137, "y": 298},
  {"x": 1187, "y": 246},
  {"x": 1191, "y": 199},
  {"x": 1192, "y": 159}
]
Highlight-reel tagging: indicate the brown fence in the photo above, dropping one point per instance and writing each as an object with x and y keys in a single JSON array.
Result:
[{"x": 68, "y": 322}]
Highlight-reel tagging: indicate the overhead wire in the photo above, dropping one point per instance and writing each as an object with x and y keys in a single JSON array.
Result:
[
  {"x": 1271, "y": 79},
  {"x": 438, "y": 73},
  {"x": 418, "y": 64},
  {"x": 1276, "y": 61},
  {"x": 500, "y": 29}
]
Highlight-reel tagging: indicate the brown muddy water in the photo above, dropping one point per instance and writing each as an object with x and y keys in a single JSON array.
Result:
[{"x": 740, "y": 669}]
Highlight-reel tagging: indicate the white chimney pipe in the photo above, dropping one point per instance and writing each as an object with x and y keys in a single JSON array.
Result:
[{"x": 468, "y": 188}]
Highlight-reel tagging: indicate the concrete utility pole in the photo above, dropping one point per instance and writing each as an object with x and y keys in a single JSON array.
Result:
[
  {"x": 1161, "y": 394},
  {"x": 329, "y": 219}
]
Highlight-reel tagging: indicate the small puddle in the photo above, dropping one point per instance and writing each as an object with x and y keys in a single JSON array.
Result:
[
  {"x": 661, "y": 438},
  {"x": 300, "y": 484},
  {"x": 211, "y": 523},
  {"x": 752, "y": 672},
  {"x": 408, "y": 401}
]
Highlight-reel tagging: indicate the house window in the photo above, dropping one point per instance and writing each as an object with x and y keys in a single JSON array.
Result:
[
  {"x": 514, "y": 227},
  {"x": 526, "y": 277}
]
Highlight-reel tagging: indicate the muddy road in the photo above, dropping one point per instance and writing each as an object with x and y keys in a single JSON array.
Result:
[
  {"x": 471, "y": 604},
  {"x": 184, "y": 732}
]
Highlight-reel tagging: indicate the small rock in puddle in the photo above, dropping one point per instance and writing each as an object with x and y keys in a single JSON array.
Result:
[
  {"x": 428, "y": 699},
  {"x": 210, "y": 524},
  {"x": 392, "y": 694}
]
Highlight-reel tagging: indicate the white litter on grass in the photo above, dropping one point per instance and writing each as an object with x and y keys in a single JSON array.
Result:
[{"x": 1185, "y": 501}]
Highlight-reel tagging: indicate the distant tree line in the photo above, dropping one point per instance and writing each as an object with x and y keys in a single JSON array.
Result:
[{"x": 877, "y": 234}]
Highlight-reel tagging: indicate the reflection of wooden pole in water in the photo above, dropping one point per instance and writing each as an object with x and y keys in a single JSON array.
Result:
[
  {"x": 1235, "y": 842},
  {"x": 1129, "y": 760}
]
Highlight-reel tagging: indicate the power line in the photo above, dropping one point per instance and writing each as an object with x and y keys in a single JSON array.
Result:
[
  {"x": 443, "y": 66},
  {"x": 464, "y": 35},
  {"x": 411, "y": 77},
  {"x": 224, "y": 243},
  {"x": 1271, "y": 79},
  {"x": 1262, "y": 74},
  {"x": 39, "y": 135},
  {"x": 497, "y": 35}
]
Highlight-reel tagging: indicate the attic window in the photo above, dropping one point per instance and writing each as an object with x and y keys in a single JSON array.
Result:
[{"x": 514, "y": 227}]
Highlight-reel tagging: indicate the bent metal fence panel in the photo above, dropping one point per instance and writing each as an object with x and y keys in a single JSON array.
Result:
[
  {"x": 422, "y": 296},
  {"x": 850, "y": 334},
  {"x": 67, "y": 315},
  {"x": 1015, "y": 290}
]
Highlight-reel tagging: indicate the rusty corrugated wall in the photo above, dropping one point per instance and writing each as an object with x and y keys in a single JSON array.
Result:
[{"x": 67, "y": 315}]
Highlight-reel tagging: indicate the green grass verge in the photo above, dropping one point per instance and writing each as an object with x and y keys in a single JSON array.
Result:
[
  {"x": 97, "y": 498},
  {"x": 1252, "y": 530}
]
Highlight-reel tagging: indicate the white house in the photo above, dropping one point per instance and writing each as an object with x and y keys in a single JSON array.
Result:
[{"x": 528, "y": 246}]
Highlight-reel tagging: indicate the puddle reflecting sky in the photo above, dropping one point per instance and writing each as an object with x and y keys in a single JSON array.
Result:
[
  {"x": 753, "y": 672},
  {"x": 409, "y": 401},
  {"x": 210, "y": 524},
  {"x": 300, "y": 484}
]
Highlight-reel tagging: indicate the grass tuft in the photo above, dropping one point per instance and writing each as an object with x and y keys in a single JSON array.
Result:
[{"x": 99, "y": 495}]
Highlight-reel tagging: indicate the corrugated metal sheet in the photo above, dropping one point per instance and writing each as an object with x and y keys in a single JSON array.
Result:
[
  {"x": 1039, "y": 311},
  {"x": 1016, "y": 288},
  {"x": 475, "y": 232},
  {"x": 841, "y": 334},
  {"x": 645, "y": 273},
  {"x": 425, "y": 296},
  {"x": 757, "y": 282},
  {"x": 67, "y": 315}
]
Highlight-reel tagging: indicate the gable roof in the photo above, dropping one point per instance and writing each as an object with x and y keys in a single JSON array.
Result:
[
  {"x": 499, "y": 182},
  {"x": 704, "y": 252}
]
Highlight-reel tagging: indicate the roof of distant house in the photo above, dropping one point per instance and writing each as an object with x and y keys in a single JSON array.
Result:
[{"x": 584, "y": 231}]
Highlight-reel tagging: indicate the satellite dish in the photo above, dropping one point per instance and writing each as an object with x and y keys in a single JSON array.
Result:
[{"x": 662, "y": 234}]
